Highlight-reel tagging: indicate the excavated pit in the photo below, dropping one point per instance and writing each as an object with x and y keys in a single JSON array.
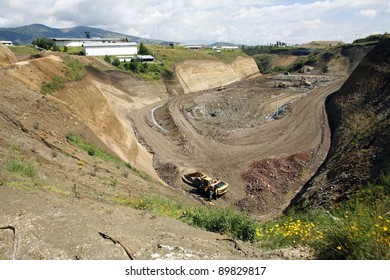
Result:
[{"x": 226, "y": 131}]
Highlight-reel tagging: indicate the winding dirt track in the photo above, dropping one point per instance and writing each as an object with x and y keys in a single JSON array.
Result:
[{"x": 301, "y": 130}]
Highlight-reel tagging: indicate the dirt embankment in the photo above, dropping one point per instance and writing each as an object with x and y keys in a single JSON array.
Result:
[
  {"x": 103, "y": 106},
  {"x": 359, "y": 115},
  {"x": 6, "y": 56},
  {"x": 96, "y": 100},
  {"x": 198, "y": 75}
]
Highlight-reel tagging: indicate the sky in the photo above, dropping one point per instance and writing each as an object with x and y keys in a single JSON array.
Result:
[{"x": 250, "y": 22}]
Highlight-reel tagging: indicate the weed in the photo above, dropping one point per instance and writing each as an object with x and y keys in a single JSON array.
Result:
[
  {"x": 90, "y": 149},
  {"x": 75, "y": 191},
  {"x": 53, "y": 154},
  {"x": 357, "y": 229},
  {"x": 18, "y": 165},
  {"x": 75, "y": 71},
  {"x": 225, "y": 221},
  {"x": 114, "y": 182}
]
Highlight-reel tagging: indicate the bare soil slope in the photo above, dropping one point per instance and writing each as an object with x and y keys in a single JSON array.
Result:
[
  {"x": 359, "y": 120},
  {"x": 6, "y": 56},
  {"x": 197, "y": 75},
  {"x": 58, "y": 197}
]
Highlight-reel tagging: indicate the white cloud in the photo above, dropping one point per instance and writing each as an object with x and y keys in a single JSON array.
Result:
[
  {"x": 199, "y": 21},
  {"x": 369, "y": 13}
]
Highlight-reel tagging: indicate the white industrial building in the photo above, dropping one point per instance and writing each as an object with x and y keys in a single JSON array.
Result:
[
  {"x": 80, "y": 42},
  {"x": 7, "y": 43},
  {"x": 102, "y": 49}
]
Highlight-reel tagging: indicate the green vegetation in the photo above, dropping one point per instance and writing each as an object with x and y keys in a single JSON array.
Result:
[
  {"x": 143, "y": 50},
  {"x": 273, "y": 49},
  {"x": 24, "y": 50},
  {"x": 57, "y": 83},
  {"x": 20, "y": 166},
  {"x": 356, "y": 229},
  {"x": 90, "y": 149},
  {"x": 155, "y": 204},
  {"x": 75, "y": 71},
  {"x": 44, "y": 43},
  {"x": 225, "y": 221},
  {"x": 372, "y": 38},
  {"x": 165, "y": 58},
  {"x": 94, "y": 151},
  {"x": 18, "y": 171},
  {"x": 147, "y": 71},
  {"x": 263, "y": 62}
]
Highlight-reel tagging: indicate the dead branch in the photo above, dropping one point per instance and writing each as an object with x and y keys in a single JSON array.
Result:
[{"x": 116, "y": 241}]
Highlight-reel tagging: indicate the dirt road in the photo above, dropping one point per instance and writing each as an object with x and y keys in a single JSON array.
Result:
[{"x": 228, "y": 153}]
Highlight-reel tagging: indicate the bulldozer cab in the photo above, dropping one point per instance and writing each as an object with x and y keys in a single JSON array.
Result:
[{"x": 206, "y": 181}]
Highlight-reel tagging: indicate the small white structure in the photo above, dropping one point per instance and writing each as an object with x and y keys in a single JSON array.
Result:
[
  {"x": 101, "y": 49},
  {"x": 7, "y": 43},
  {"x": 228, "y": 48},
  {"x": 80, "y": 42},
  {"x": 194, "y": 47},
  {"x": 142, "y": 58}
]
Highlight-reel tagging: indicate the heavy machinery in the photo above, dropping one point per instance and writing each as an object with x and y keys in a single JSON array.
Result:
[
  {"x": 203, "y": 182},
  {"x": 305, "y": 81}
]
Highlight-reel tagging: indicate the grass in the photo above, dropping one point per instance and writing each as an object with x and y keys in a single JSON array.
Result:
[
  {"x": 24, "y": 50},
  {"x": 91, "y": 149},
  {"x": 358, "y": 229},
  {"x": 155, "y": 204},
  {"x": 94, "y": 151},
  {"x": 225, "y": 221},
  {"x": 20, "y": 166},
  {"x": 169, "y": 56},
  {"x": 75, "y": 71},
  {"x": 166, "y": 58}
]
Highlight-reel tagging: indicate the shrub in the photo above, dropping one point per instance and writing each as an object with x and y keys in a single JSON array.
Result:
[
  {"x": 357, "y": 229},
  {"x": 91, "y": 151},
  {"x": 21, "y": 167},
  {"x": 225, "y": 221}
]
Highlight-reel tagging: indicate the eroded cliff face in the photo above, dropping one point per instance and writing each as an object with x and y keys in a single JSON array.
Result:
[
  {"x": 197, "y": 75},
  {"x": 359, "y": 118}
]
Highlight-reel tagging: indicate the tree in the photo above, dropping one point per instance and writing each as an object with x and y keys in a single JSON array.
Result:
[
  {"x": 107, "y": 58},
  {"x": 87, "y": 34},
  {"x": 143, "y": 50},
  {"x": 44, "y": 43},
  {"x": 116, "y": 62}
]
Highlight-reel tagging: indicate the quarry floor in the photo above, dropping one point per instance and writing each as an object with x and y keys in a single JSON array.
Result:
[{"x": 232, "y": 133}]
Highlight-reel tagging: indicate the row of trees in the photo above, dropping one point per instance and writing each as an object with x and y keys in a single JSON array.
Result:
[{"x": 45, "y": 43}]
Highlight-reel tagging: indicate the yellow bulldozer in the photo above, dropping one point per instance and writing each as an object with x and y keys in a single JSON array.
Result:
[{"x": 203, "y": 182}]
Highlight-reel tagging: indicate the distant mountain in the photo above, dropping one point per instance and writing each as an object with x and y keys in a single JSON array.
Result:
[
  {"x": 25, "y": 34},
  {"x": 218, "y": 44}
]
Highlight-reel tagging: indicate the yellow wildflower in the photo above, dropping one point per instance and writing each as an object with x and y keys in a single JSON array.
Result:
[
  {"x": 339, "y": 248},
  {"x": 385, "y": 228}
]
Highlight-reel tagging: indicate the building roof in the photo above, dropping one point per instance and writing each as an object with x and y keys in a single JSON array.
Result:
[
  {"x": 99, "y": 44},
  {"x": 87, "y": 39}
]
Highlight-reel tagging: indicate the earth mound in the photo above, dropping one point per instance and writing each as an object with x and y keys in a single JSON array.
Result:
[{"x": 6, "y": 56}]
